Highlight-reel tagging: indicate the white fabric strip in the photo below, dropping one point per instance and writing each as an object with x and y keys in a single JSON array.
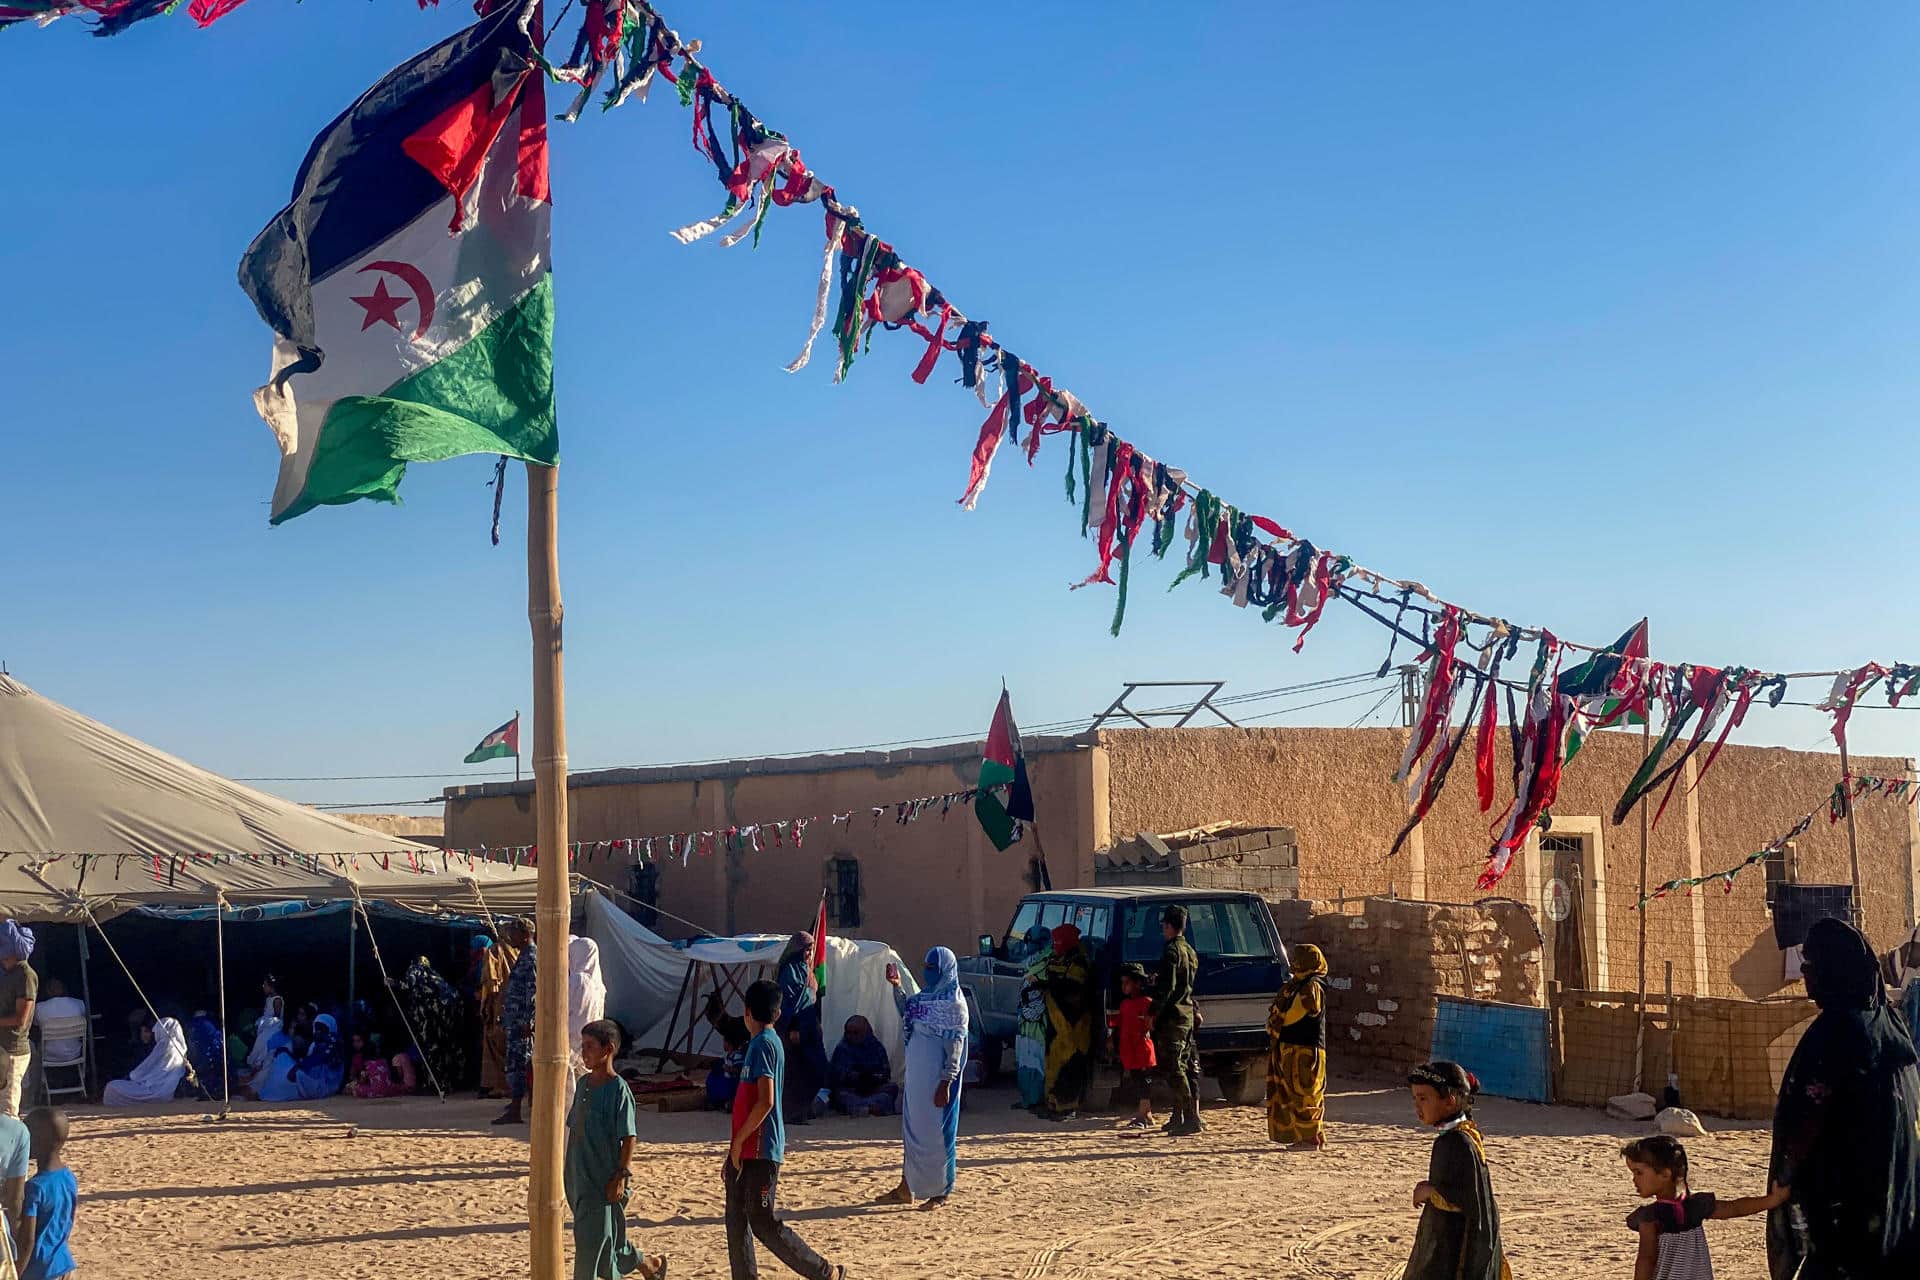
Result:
[
  {"x": 707, "y": 226},
  {"x": 836, "y": 229}
]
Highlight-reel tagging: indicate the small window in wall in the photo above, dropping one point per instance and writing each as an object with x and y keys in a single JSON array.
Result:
[
  {"x": 1561, "y": 844},
  {"x": 843, "y": 898},
  {"x": 1779, "y": 868}
]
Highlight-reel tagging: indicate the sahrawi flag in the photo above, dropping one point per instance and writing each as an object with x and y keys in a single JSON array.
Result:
[
  {"x": 407, "y": 284},
  {"x": 1003, "y": 765},
  {"x": 1608, "y": 688},
  {"x": 818, "y": 960},
  {"x": 504, "y": 741}
]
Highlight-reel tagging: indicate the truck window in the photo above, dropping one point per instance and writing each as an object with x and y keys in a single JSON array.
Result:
[
  {"x": 1102, "y": 923},
  {"x": 1054, "y": 914},
  {"x": 1217, "y": 930},
  {"x": 1083, "y": 919},
  {"x": 1143, "y": 942},
  {"x": 1015, "y": 943}
]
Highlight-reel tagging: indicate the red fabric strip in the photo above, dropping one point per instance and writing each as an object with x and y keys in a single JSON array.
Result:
[
  {"x": 1322, "y": 578},
  {"x": 1261, "y": 522},
  {"x": 924, "y": 370},
  {"x": 1483, "y": 748},
  {"x": 1110, "y": 524},
  {"x": 208, "y": 12}
]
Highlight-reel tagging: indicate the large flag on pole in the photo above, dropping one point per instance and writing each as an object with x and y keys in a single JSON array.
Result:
[
  {"x": 504, "y": 741},
  {"x": 1003, "y": 764},
  {"x": 407, "y": 283}
]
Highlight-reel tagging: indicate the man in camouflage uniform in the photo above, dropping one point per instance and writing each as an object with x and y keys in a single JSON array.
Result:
[{"x": 1173, "y": 1021}]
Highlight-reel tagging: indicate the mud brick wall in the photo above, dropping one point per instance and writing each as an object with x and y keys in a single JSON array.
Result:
[{"x": 1390, "y": 959}]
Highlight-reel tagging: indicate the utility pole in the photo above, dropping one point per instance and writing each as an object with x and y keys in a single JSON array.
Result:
[
  {"x": 1409, "y": 695},
  {"x": 1417, "y": 839}
]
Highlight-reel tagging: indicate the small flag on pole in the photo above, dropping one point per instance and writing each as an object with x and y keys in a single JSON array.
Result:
[
  {"x": 819, "y": 956},
  {"x": 1003, "y": 764},
  {"x": 502, "y": 742}
]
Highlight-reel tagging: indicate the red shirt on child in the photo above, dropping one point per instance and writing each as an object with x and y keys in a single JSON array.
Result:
[{"x": 1135, "y": 1033}]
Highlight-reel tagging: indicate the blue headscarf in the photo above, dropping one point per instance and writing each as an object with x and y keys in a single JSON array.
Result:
[
  {"x": 481, "y": 942},
  {"x": 16, "y": 941},
  {"x": 939, "y": 1010}
]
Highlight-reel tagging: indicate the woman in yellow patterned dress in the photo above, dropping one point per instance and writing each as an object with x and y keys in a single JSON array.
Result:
[{"x": 1297, "y": 1054}]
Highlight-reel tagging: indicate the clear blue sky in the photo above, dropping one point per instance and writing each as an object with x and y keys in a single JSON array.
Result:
[{"x": 1573, "y": 313}]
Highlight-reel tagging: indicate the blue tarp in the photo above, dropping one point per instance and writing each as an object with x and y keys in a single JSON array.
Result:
[{"x": 1503, "y": 1044}]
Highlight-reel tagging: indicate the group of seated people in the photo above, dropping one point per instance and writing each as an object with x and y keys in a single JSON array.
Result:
[
  {"x": 859, "y": 1074},
  {"x": 296, "y": 1052}
]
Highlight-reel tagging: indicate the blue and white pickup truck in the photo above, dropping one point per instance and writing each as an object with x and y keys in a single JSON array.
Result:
[{"x": 1242, "y": 964}]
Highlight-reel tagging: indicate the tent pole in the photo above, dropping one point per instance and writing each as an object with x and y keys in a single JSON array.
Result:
[
  {"x": 89, "y": 1072},
  {"x": 353, "y": 956},
  {"x": 544, "y": 614},
  {"x": 220, "y": 968}
]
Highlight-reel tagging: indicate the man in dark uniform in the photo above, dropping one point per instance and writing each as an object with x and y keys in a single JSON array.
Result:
[{"x": 1173, "y": 1019}]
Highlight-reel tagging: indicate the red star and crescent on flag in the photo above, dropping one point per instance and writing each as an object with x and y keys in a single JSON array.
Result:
[{"x": 382, "y": 307}]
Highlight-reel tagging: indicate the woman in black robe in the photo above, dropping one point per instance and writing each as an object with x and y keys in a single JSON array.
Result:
[{"x": 1846, "y": 1131}]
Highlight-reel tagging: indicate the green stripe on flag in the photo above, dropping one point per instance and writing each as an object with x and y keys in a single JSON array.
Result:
[{"x": 493, "y": 395}]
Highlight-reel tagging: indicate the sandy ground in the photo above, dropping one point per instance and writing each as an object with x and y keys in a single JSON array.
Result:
[{"x": 425, "y": 1188}]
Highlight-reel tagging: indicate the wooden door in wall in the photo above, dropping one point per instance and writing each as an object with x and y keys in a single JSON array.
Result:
[{"x": 1567, "y": 899}]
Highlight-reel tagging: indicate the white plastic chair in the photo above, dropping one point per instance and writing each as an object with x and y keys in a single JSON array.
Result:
[{"x": 55, "y": 1035}]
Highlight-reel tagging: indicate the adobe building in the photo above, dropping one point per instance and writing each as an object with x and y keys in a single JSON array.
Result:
[{"x": 937, "y": 880}]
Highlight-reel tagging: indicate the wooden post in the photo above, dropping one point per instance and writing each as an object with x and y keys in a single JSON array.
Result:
[
  {"x": 220, "y": 967},
  {"x": 1673, "y": 1033},
  {"x": 90, "y": 1072},
  {"x": 1640, "y": 1008},
  {"x": 353, "y": 959},
  {"x": 1859, "y": 912},
  {"x": 546, "y": 1202}
]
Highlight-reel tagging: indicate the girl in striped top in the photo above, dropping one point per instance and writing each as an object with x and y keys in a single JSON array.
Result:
[{"x": 1673, "y": 1240}]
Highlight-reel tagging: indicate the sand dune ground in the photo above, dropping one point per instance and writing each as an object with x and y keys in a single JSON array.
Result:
[{"x": 423, "y": 1188}]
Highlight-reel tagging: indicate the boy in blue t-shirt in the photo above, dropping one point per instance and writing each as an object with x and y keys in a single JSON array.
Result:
[
  {"x": 46, "y": 1219},
  {"x": 752, "y": 1171}
]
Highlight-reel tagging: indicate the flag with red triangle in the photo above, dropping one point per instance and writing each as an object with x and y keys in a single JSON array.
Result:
[
  {"x": 819, "y": 957},
  {"x": 504, "y": 741},
  {"x": 1003, "y": 764}
]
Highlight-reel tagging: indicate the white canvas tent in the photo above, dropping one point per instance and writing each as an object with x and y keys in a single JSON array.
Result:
[
  {"x": 71, "y": 786},
  {"x": 648, "y": 986}
]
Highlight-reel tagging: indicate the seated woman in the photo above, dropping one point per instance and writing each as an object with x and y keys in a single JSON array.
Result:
[
  {"x": 273, "y": 1082},
  {"x": 156, "y": 1078},
  {"x": 323, "y": 1068},
  {"x": 860, "y": 1075}
]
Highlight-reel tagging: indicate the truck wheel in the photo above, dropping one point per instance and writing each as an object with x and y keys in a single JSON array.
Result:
[{"x": 1245, "y": 1084}]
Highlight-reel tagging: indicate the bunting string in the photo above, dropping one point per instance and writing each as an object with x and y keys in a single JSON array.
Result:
[{"x": 1120, "y": 489}]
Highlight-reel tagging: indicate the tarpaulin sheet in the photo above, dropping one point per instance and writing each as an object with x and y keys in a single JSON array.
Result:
[{"x": 644, "y": 973}]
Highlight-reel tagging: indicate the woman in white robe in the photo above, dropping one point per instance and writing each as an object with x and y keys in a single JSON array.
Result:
[
  {"x": 272, "y": 1018},
  {"x": 156, "y": 1078},
  {"x": 586, "y": 995}
]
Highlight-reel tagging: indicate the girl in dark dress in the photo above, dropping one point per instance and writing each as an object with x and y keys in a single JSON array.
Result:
[{"x": 1459, "y": 1235}]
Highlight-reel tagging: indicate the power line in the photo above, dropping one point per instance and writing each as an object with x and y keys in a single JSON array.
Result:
[{"x": 1045, "y": 727}]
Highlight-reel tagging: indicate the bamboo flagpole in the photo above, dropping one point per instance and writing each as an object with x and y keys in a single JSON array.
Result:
[{"x": 546, "y": 1202}]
